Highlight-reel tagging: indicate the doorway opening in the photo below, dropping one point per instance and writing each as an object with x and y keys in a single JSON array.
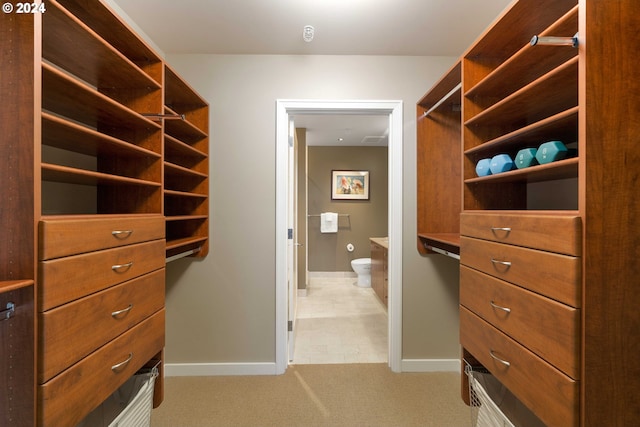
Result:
[
  {"x": 285, "y": 243},
  {"x": 342, "y": 167}
]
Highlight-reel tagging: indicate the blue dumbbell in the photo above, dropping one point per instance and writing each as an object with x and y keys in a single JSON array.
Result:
[
  {"x": 551, "y": 151},
  {"x": 483, "y": 167},
  {"x": 501, "y": 163},
  {"x": 526, "y": 157}
]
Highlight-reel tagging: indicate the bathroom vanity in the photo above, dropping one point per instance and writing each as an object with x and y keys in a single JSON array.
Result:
[{"x": 379, "y": 268}]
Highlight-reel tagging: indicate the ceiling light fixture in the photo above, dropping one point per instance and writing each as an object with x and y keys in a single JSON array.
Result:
[{"x": 307, "y": 33}]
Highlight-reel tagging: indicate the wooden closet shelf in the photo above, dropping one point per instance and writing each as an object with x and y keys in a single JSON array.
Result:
[
  {"x": 66, "y": 40},
  {"x": 175, "y": 193},
  {"x": 564, "y": 127},
  {"x": 184, "y": 242},
  {"x": 562, "y": 169},
  {"x": 554, "y": 92},
  {"x": 64, "y": 134},
  {"x": 173, "y": 169},
  {"x": 11, "y": 285},
  {"x": 71, "y": 98},
  {"x": 175, "y": 147},
  {"x": 57, "y": 173},
  {"x": 529, "y": 63},
  {"x": 186, "y": 218},
  {"x": 114, "y": 31}
]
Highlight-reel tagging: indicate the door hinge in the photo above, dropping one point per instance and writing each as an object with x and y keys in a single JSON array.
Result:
[
  {"x": 290, "y": 326},
  {"x": 290, "y": 233}
]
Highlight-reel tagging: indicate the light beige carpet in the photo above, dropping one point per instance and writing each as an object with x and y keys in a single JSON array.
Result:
[{"x": 349, "y": 395}]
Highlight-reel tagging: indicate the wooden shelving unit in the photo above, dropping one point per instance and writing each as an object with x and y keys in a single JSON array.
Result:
[
  {"x": 439, "y": 142},
  {"x": 540, "y": 247},
  {"x": 186, "y": 169},
  {"x": 97, "y": 179}
]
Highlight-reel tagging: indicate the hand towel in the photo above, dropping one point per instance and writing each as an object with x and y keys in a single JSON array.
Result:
[{"x": 328, "y": 222}]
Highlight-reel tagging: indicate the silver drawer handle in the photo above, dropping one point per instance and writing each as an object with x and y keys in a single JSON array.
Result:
[
  {"x": 8, "y": 312},
  {"x": 121, "y": 364},
  {"x": 124, "y": 310},
  {"x": 117, "y": 267},
  {"x": 494, "y": 305},
  {"x": 121, "y": 234},
  {"x": 504, "y": 362},
  {"x": 495, "y": 261},
  {"x": 506, "y": 230}
]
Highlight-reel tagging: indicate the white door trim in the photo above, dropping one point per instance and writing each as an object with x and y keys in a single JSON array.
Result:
[{"x": 394, "y": 109}]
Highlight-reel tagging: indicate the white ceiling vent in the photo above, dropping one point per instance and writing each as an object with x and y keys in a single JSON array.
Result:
[{"x": 374, "y": 140}]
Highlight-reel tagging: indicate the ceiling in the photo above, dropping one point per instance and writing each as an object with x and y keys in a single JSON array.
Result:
[{"x": 341, "y": 27}]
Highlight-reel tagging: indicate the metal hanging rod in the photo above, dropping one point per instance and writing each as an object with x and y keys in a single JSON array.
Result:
[
  {"x": 319, "y": 215},
  {"x": 443, "y": 99},
  {"x": 555, "y": 41},
  {"x": 8, "y": 312},
  {"x": 183, "y": 254},
  {"x": 165, "y": 116}
]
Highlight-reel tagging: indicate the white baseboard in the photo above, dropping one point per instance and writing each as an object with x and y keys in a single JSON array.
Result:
[
  {"x": 220, "y": 369},
  {"x": 331, "y": 274},
  {"x": 430, "y": 365},
  {"x": 217, "y": 369}
]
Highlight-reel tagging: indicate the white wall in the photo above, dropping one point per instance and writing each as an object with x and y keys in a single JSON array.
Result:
[{"x": 222, "y": 309}]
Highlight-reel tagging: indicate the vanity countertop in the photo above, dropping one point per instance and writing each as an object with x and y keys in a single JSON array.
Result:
[{"x": 382, "y": 241}]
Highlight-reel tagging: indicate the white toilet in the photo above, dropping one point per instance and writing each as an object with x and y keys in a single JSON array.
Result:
[{"x": 362, "y": 267}]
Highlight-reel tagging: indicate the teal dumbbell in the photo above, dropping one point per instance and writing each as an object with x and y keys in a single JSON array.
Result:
[
  {"x": 551, "y": 151},
  {"x": 483, "y": 167},
  {"x": 526, "y": 157},
  {"x": 501, "y": 163}
]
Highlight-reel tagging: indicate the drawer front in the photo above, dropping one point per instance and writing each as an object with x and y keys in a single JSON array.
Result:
[
  {"x": 551, "y": 395},
  {"x": 63, "y": 334},
  {"x": 553, "y": 275},
  {"x": 554, "y": 233},
  {"x": 64, "y": 237},
  {"x": 66, "y": 279},
  {"x": 69, "y": 397},
  {"x": 548, "y": 328}
]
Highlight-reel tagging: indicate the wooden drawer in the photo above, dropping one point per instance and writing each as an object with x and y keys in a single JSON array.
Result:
[
  {"x": 63, "y": 236},
  {"x": 554, "y": 233},
  {"x": 63, "y": 337},
  {"x": 69, "y": 397},
  {"x": 548, "y": 328},
  {"x": 550, "y": 394},
  {"x": 553, "y": 275},
  {"x": 66, "y": 279}
]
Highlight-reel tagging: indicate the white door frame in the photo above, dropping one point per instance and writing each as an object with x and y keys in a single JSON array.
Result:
[{"x": 284, "y": 108}]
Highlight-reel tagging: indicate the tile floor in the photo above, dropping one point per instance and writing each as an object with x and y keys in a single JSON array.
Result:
[{"x": 339, "y": 322}]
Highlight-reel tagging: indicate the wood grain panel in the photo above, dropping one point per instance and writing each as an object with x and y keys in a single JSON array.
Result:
[
  {"x": 548, "y": 328},
  {"x": 67, "y": 279},
  {"x": 68, "y": 398},
  {"x": 62, "y": 331},
  {"x": 553, "y": 275},
  {"x": 550, "y": 394}
]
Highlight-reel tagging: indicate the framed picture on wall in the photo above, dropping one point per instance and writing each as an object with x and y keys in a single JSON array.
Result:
[{"x": 349, "y": 185}]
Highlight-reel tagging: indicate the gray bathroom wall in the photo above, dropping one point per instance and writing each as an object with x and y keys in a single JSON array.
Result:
[{"x": 367, "y": 218}]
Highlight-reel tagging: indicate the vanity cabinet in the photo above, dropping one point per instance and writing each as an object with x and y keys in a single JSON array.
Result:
[{"x": 379, "y": 269}]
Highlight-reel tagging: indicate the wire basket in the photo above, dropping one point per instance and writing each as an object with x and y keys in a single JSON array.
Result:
[
  {"x": 129, "y": 406},
  {"x": 485, "y": 410}
]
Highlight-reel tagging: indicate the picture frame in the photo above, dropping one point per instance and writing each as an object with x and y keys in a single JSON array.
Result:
[{"x": 349, "y": 185}]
